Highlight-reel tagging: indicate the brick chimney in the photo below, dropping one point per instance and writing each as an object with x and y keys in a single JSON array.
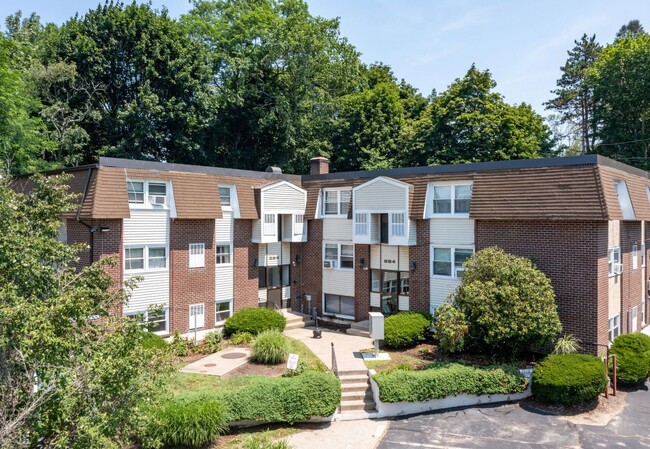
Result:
[{"x": 319, "y": 166}]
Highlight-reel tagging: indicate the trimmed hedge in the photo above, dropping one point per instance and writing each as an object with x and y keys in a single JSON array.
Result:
[
  {"x": 569, "y": 379},
  {"x": 284, "y": 399},
  {"x": 440, "y": 380},
  {"x": 188, "y": 420},
  {"x": 632, "y": 358},
  {"x": 153, "y": 341},
  {"x": 405, "y": 329},
  {"x": 254, "y": 320},
  {"x": 270, "y": 347}
]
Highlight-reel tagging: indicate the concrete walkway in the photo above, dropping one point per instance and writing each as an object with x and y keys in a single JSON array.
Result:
[
  {"x": 346, "y": 347},
  {"x": 219, "y": 363},
  {"x": 364, "y": 434}
]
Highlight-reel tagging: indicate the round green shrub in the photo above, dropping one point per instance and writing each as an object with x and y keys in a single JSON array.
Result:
[
  {"x": 254, "y": 320},
  {"x": 188, "y": 420},
  {"x": 450, "y": 328},
  {"x": 405, "y": 329},
  {"x": 569, "y": 379},
  {"x": 632, "y": 358},
  {"x": 270, "y": 347},
  {"x": 153, "y": 341},
  {"x": 241, "y": 338}
]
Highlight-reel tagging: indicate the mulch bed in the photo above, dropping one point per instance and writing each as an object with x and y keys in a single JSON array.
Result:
[{"x": 258, "y": 369}]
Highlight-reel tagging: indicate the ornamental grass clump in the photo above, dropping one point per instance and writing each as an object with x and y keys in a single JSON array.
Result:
[
  {"x": 270, "y": 347},
  {"x": 569, "y": 379}
]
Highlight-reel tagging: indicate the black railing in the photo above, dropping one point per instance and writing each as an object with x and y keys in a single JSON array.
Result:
[{"x": 335, "y": 368}]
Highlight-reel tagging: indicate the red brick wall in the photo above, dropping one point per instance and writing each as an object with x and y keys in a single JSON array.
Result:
[
  {"x": 361, "y": 282},
  {"x": 631, "y": 280},
  {"x": 573, "y": 255},
  {"x": 245, "y": 272},
  {"x": 419, "y": 290},
  {"x": 312, "y": 271},
  {"x": 190, "y": 285},
  {"x": 105, "y": 244}
]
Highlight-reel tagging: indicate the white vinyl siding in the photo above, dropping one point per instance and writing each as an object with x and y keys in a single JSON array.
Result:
[
  {"x": 197, "y": 255},
  {"x": 338, "y": 282},
  {"x": 223, "y": 270},
  {"x": 440, "y": 290},
  {"x": 381, "y": 195},
  {"x": 152, "y": 290},
  {"x": 282, "y": 198},
  {"x": 337, "y": 229},
  {"x": 451, "y": 231},
  {"x": 146, "y": 226}
]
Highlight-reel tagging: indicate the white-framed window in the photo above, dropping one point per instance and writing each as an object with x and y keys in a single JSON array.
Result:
[
  {"x": 635, "y": 257},
  {"x": 338, "y": 255},
  {"x": 614, "y": 264},
  {"x": 299, "y": 227},
  {"x": 145, "y": 258},
  {"x": 147, "y": 193},
  {"x": 197, "y": 316},
  {"x": 398, "y": 224},
  {"x": 634, "y": 316},
  {"x": 135, "y": 191},
  {"x": 197, "y": 255},
  {"x": 451, "y": 199},
  {"x": 270, "y": 224},
  {"x": 156, "y": 321},
  {"x": 338, "y": 305},
  {"x": 224, "y": 196},
  {"x": 448, "y": 261},
  {"x": 336, "y": 201},
  {"x": 614, "y": 327},
  {"x": 223, "y": 253},
  {"x": 361, "y": 224},
  {"x": 222, "y": 310},
  {"x": 624, "y": 200},
  {"x": 643, "y": 255}
]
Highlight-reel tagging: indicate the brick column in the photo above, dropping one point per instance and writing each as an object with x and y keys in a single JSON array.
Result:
[
  {"x": 419, "y": 281},
  {"x": 361, "y": 282}
]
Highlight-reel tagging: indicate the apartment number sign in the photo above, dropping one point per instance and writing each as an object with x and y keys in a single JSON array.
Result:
[{"x": 393, "y": 261}]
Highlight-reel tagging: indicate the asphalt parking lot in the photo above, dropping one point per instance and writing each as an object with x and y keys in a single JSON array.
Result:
[{"x": 511, "y": 426}]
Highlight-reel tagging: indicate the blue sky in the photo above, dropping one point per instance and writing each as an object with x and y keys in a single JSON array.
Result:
[{"x": 429, "y": 43}]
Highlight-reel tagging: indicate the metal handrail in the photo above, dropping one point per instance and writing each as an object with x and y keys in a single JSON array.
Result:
[{"x": 335, "y": 367}]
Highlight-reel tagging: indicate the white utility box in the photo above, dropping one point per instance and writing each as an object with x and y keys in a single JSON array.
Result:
[{"x": 376, "y": 326}]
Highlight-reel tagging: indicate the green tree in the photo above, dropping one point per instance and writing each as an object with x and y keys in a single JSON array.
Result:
[
  {"x": 278, "y": 73},
  {"x": 472, "y": 123},
  {"x": 155, "y": 99},
  {"x": 621, "y": 78},
  {"x": 66, "y": 378},
  {"x": 631, "y": 29},
  {"x": 509, "y": 305},
  {"x": 574, "y": 96}
]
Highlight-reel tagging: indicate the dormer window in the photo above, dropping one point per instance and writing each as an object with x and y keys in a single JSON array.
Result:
[
  {"x": 336, "y": 202},
  {"x": 136, "y": 191},
  {"x": 224, "y": 196},
  {"x": 451, "y": 199},
  {"x": 157, "y": 194},
  {"x": 147, "y": 193}
]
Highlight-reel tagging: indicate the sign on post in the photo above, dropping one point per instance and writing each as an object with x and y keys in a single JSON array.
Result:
[{"x": 292, "y": 363}]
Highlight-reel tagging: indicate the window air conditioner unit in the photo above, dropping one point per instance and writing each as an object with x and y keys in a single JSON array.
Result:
[
  {"x": 648, "y": 287},
  {"x": 460, "y": 272},
  {"x": 618, "y": 268},
  {"x": 157, "y": 200},
  {"x": 329, "y": 263}
]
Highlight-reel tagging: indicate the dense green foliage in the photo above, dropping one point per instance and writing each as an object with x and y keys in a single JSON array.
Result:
[
  {"x": 212, "y": 342},
  {"x": 270, "y": 347},
  {"x": 405, "y": 329},
  {"x": 450, "y": 328},
  {"x": 254, "y": 320},
  {"x": 632, "y": 358},
  {"x": 284, "y": 399},
  {"x": 48, "y": 333},
  {"x": 440, "y": 380},
  {"x": 569, "y": 379},
  {"x": 263, "y": 441},
  {"x": 508, "y": 304},
  {"x": 153, "y": 341},
  {"x": 187, "y": 420},
  {"x": 241, "y": 338}
]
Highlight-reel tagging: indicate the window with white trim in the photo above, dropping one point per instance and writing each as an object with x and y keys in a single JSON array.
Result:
[
  {"x": 614, "y": 264},
  {"x": 197, "y": 255},
  {"x": 223, "y": 310},
  {"x": 155, "y": 321},
  {"x": 398, "y": 224},
  {"x": 449, "y": 261},
  {"x": 134, "y": 259},
  {"x": 223, "y": 253},
  {"x": 338, "y": 255},
  {"x": 270, "y": 226},
  {"x": 361, "y": 224},
  {"x": 157, "y": 258},
  {"x": 145, "y": 258},
  {"x": 197, "y": 316},
  {"x": 336, "y": 201},
  {"x": 149, "y": 193},
  {"x": 451, "y": 199},
  {"x": 224, "y": 196},
  {"x": 339, "y": 305},
  {"x": 157, "y": 193},
  {"x": 635, "y": 257},
  {"x": 299, "y": 227},
  {"x": 135, "y": 191},
  {"x": 614, "y": 327}
]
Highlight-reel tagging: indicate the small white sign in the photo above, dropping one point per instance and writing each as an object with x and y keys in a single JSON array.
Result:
[{"x": 292, "y": 363}]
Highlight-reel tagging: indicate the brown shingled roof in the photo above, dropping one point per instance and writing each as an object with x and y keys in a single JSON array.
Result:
[{"x": 636, "y": 186}]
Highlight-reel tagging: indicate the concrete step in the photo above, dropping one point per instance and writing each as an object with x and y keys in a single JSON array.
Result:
[
  {"x": 358, "y": 387},
  {"x": 357, "y": 332},
  {"x": 297, "y": 324},
  {"x": 353, "y": 372},
  {"x": 353, "y": 378},
  {"x": 356, "y": 395},
  {"x": 355, "y": 406}
]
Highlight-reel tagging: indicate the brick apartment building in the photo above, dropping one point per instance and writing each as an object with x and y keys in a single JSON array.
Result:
[{"x": 209, "y": 241}]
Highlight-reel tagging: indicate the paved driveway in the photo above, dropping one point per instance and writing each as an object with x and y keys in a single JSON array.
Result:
[{"x": 510, "y": 426}]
